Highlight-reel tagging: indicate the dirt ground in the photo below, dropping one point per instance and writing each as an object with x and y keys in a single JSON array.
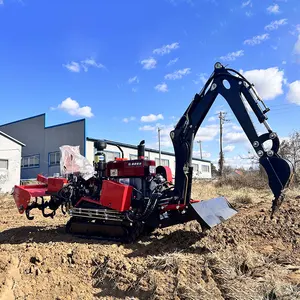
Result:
[{"x": 247, "y": 257}]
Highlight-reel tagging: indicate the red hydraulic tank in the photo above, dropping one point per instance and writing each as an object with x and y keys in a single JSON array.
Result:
[{"x": 116, "y": 195}]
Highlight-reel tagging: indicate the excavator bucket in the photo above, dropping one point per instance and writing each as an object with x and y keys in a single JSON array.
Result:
[
  {"x": 280, "y": 173},
  {"x": 210, "y": 213}
]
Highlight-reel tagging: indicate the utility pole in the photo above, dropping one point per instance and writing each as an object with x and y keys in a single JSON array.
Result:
[
  {"x": 200, "y": 145},
  {"x": 158, "y": 129},
  {"x": 221, "y": 159}
]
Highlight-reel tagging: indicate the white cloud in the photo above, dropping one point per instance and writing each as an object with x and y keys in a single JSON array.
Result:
[
  {"x": 274, "y": 47},
  {"x": 232, "y": 56},
  {"x": 165, "y": 130},
  {"x": 297, "y": 46},
  {"x": 134, "y": 90},
  {"x": 238, "y": 162},
  {"x": 235, "y": 137},
  {"x": 267, "y": 82},
  {"x": 133, "y": 80},
  {"x": 229, "y": 148},
  {"x": 293, "y": 94},
  {"x": 172, "y": 61},
  {"x": 256, "y": 40},
  {"x": 90, "y": 62},
  {"x": 149, "y": 63},
  {"x": 207, "y": 133},
  {"x": 178, "y": 74},
  {"x": 152, "y": 118},
  {"x": 205, "y": 154},
  {"x": 237, "y": 128},
  {"x": 166, "y": 49},
  {"x": 126, "y": 120},
  {"x": 165, "y": 140},
  {"x": 73, "y": 66},
  {"x": 147, "y": 128},
  {"x": 161, "y": 87},
  {"x": 84, "y": 64},
  {"x": 1, "y": 2},
  {"x": 276, "y": 24},
  {"x": 247, "y": 3},
  {"x": 284, "y": 62},
  {"x": 295, "y": 30},
  {"x": 212, "y": 119},
  {"x": 273, "y": 9},
  {"x": 73, "y": 108},
  {"x": 202, "y": 78},
  {"x": 190, "y": 2}
]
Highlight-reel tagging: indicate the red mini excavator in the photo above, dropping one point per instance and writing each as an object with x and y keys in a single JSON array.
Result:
[{"x": 118, "y": 200}]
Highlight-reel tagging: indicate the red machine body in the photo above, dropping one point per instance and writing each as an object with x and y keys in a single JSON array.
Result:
[
  {"x": 116, "y": 195},
  {"x": 55, "y": 184},
  {"x": 130, "y": 168},
  {"x": 23, "y": 194},
  {"x": 46, "y": 186}
]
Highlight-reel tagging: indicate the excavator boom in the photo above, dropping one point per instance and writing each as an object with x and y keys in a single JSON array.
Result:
[{"x": 237, "y": 91}]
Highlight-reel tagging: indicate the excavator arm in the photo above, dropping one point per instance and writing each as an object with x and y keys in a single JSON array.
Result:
[{"x": 236, "y": 90}]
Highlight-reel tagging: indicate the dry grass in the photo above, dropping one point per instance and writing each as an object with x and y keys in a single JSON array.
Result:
[
  {"x": 243, "y": 273},
  {"x": 234, "y": 273},
  {"x": 247, "y": 180},
  {"x": 240, "y": 196}
]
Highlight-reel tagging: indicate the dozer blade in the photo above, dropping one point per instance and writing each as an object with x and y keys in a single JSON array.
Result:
[{"x": 210, "y": 213}]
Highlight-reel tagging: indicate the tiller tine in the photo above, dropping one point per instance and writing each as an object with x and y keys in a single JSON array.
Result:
[
  {"x": 210, "y": 213},
  {"x": 280, "y": 173},
  {"x": 24, "y": 196}
]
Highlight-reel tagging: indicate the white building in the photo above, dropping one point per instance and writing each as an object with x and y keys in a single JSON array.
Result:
[
  {"x": 42, "y": 155},
  {"x": 201, "y": 167},
  {"x": 10, "y": 162}
]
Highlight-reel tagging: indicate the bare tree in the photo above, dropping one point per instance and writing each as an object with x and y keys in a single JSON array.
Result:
[{"x": 290, "y": 149}]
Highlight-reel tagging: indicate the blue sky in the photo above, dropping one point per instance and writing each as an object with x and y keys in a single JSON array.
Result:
[{"x": 131, "y": 66}]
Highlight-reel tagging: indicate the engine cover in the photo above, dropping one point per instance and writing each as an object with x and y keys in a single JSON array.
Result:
[
  {"x": 130, "y": 168},
  {"x": 116, "y": 195}
]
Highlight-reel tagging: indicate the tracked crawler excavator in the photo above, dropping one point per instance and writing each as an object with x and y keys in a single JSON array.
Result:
[{"x": 121, "y": 199}]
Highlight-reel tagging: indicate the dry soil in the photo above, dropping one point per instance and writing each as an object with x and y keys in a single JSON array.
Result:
[{"x": 247, "y": 257}]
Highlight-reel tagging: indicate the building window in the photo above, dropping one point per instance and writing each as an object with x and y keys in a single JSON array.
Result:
[
  {"x": 32, "y": 161},
  {"x": 163, "y": 162},
  {"x": 54, "y": 158},
  {"x": 205, "y": 168},
  {"x": 4, "y": 164},
  {"x": 195, "y": 168},
  {"x": 133, "y": 156},
  {"x": 110, "y": 155}
]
